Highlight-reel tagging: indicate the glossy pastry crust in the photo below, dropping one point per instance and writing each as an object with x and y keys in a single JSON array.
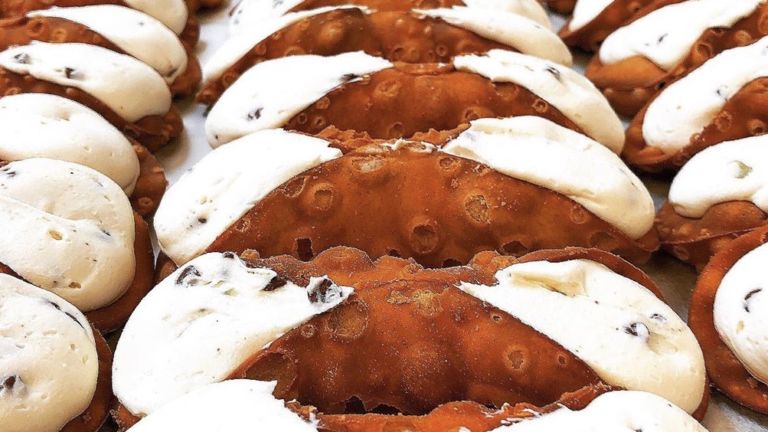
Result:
[
  {"x": 153, "y": 132},
  {"x": 407, "y": 320},
  {"x": 416, "y": 40},
  {"x": 434, "y": 207},
  {"x": 696, "y": 240},
  {"x": 725, "y": 370},
  {"x": 631, "y": 83},
  {"x": 113, "y": 316},
  {"x": 96, "y": 414},
  {"x": 615, "y": 15},
  {"x": 563, "y": 7}
]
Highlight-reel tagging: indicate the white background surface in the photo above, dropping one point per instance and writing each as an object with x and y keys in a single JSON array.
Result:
[{"x": 675, "y": 279}]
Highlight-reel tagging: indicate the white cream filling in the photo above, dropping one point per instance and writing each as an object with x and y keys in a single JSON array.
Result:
[
  {"x": 629, "y": 411},
  {"x": 741, "y": 312},
  {"x": 270, "y": 93},
  {"x": 660, "y": 37},
  {"x": 250, "y": 14},
  {"x": 516, "y": 31},
  {"x": 729, "y": 171},
  {"x": 229, "y": 181},
  {"x": 686, "y": 106},
  {"x": 628, "y": 336},
  {"x": 232, "y": 406},
  {"x": 67, "y": 229},
  {"x": 237, "y": 46},
  {"x": 172, "y": 13},
  {"x": 538, "y": 151},
  {"x": 129, "y": 87},
  {"x": 48, "y": 361},
  {"x": 38, "y": 125},
  {"x": 202, "y": 322},
  {"x": 134, "y": 32},
  {"x": 565, "y": 89},
  {"x": 586, "y": 11}
]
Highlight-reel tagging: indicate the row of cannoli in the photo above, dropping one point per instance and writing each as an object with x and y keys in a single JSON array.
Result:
[{"x": 87, "y": 90}]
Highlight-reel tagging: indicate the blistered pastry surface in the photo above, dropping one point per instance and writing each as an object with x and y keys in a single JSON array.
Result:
[
  {"x": 129, "y": 87},
  {"x": 272, "y": 92},
  {"x": 661, "y": 37},
  {"x": 36, "y": 125},
  {"x": 134, "y": 32},
  {"x": 227, "y": 183},
  {"x": 67, "y": 229},
  {"x": 687, "y": 106},
  {"x": 626, "y": 323},
  {"x": 541, "y": 152},
  {"x": 740, "y": 311},
  {"x": 232, "y": 406},
  {"x": 611, "y": 412},
  {"x": 730, "y": 171},
  {"x": 565, "y": 89},
  {"x": 48, "y": 359},
  {"x": 203, "y": 321}
]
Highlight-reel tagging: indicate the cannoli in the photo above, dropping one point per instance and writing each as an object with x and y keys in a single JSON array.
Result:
[
  {"x": 512, "y": 185},
  {"x": 56, "y": 369},
  {"x": 71, "y": 230},
  {"x": 242, "y": 403},
  {"x": 356, "y": 91},
  {"x": 248, "y": 14},
  {"x": 722, "y": 100},
  {"x": 638, "y": 60},
  {"x": 423, "y": 337},
  {"x": 416, "y": 36},
  {"x": 718, "y": 195},
  {"x": 594, "y": 20},
  {"x": 175, "y": 14},
  {"x": 38, "y": 125},
  {"x": 125, "y": 91},
  {"x": 118, "y": 28},
  {"x": 728, "y": 314}
]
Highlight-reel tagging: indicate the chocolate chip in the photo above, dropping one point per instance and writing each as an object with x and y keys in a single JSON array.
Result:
[
  {"x": 637, "y": 329},
  {"x": 8, "y": 172},
  {"x": 662, "y": 37},
  {"x": 323, "y": 292},
  {"x": 72, "y": 317},
  {"x": 749, "y": 296},
  {"x": 106, "y": 233},
  {"x": 255, "y": 114},
  {"x": 187, "y": 275},
  {"x": 228, "y": 255},
  {"x": 10, "y": 382},
  {"x": 202, "y": 220},
  {"x": 658, "y": 317},
  {"x": 275, "y": 283},
  {"x": 350, "y": 77},
  {"x": 70, "y": 72},
  {"x": 553, "y": 71},
  {"x": 22, "y": 58}
]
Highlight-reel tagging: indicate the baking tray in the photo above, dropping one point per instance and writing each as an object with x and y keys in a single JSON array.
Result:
[{"x": 675, "y": 279}]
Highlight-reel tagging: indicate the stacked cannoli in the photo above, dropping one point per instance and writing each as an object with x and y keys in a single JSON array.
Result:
[{"x": 87, "y": 98}]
